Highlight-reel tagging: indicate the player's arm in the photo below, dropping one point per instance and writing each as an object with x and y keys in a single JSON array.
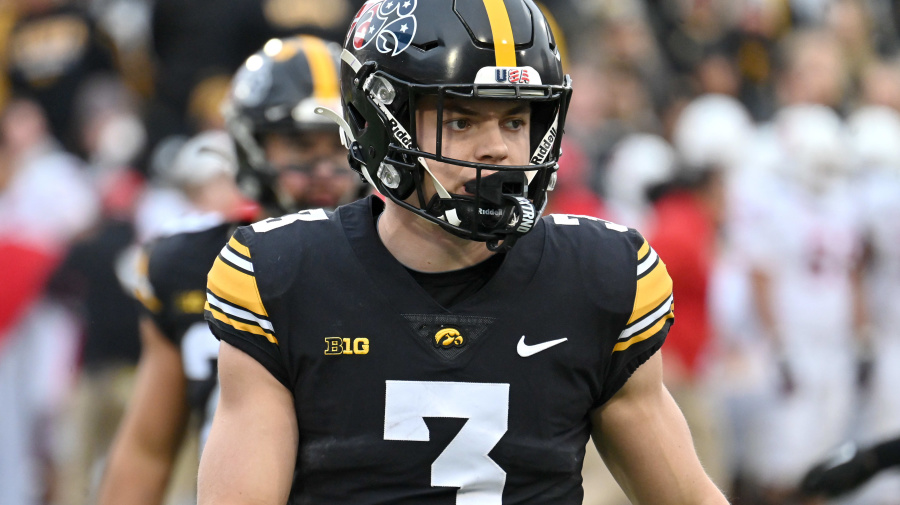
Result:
[
  {"x": 644, "y": 440},
  {"x": 252, "y": 447},
  {"x": 147, "y": 442}
]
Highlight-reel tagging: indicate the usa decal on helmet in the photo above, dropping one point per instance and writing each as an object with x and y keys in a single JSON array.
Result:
[
  {"x": 390, "y": 23},
  {"x": 507, "y": 75}
]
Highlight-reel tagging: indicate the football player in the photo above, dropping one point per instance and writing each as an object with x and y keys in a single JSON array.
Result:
[
  {"x": 804, "y": 248},
  {"x": 446, "y": 345},
  {"x": 291, "y": 157},
  {"x": 272, "y": 133}
]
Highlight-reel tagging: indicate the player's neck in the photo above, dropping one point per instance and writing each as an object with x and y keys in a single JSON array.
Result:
[{"x": 424, "y": 246}]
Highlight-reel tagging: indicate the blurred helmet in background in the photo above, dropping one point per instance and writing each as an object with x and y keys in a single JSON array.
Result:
[
  {"x": 202, "y": 158},
  {"x": 638, "y": 164},
  {"x": 814, "y": 145},
  {"x": 277, "y": 91},
  {"x": 713, "y": 130},
  {"x": 875, "y": 137}
]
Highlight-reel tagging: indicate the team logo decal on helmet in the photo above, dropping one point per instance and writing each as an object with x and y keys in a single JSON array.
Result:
[{"x": 391, "y": 24}]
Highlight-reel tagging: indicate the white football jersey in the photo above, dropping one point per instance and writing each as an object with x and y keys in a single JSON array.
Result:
[
  {"x": 880, "y": 205},
  {"x": 809, "y": 244}
]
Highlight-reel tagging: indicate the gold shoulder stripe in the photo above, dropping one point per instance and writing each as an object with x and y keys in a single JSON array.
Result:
[
  {"x": 235, "y": 287},
  {"x": 501, "y": 30},
  {"x": 652, "y": 290},
  {"x": 322, "y": 66},
  {"x": 644, "y": 335},
  {"x": 642, "y": 252},
  {"x": 238, "y": 325},
  {"x": 239, "y": 247}
]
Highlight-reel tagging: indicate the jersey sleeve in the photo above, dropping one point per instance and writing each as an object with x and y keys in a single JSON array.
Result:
[
  {"x": 148, "y": 293},
  {"x": 652, "y": 314},
  {"x": 234, "y": 307}
]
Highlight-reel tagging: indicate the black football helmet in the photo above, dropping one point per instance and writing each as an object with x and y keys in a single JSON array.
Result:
[
  {"x": 398, "y": 52},
  {"x": 278, "y": 89}
]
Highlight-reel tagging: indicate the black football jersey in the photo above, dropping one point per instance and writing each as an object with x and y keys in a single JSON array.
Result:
[
  {"x": 173, "y": 293},
  {"x": 402, "y": 401}
]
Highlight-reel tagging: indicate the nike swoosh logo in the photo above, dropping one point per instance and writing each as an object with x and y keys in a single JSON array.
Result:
[{"x": 526, "y": 350}]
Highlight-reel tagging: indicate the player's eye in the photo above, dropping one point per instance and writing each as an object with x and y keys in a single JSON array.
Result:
[
  {"x": 457, "y": 124},
  {"x": 515, "y": 124}
]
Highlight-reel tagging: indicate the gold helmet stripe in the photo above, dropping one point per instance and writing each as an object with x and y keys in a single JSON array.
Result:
[
  {"x": 501, "y": 29},
  {"x": 324, "y": 71}
]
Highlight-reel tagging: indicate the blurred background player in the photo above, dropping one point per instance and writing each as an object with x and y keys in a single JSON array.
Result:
[
  {"x": 805, "y": 248},
  {"x": 46, "y": 202},
  {"x": 638, "y": 166},
  {"x": 289, "y": 158},
  {"x": 88, "y": 283},
  {"x": 853, "y": 470},
  {"x": 689, "y": 213},
  {"x": 173, "y": 371}
]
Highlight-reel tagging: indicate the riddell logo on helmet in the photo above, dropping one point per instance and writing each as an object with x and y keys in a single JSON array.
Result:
[
  {"x": 544, "y": 149},
  {"x": 399, "y": 133},
  {"x": 490, "y": 212}
]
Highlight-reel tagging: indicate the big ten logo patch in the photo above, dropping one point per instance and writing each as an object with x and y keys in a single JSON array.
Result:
[
  {"x": 336, "y": 345},
  {"x": 447, "y": 338}
]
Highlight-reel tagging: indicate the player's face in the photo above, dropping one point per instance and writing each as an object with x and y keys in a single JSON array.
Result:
[
  {"x": 494, "y": 132},
  {"x": 312, "y": 168}
]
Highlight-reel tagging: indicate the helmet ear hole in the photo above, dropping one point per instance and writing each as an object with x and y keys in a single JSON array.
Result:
[
  {"x": 356, "y": 119},
  {"x": 407, "y": 185}
]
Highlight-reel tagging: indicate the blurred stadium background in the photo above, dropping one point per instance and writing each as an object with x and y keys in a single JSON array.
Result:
[{"x": 756, "y": 143}]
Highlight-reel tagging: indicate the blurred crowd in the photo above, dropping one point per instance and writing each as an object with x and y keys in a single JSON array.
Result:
[{"x": 755, "y": 143}]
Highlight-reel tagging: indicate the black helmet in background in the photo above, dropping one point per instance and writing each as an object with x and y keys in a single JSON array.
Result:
[
  {"x": 398, "y": 52},
  {"x": 277, "y": 91}
]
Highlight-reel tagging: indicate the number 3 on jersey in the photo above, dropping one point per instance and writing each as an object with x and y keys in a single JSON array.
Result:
[{"x": 465, "y": 462}]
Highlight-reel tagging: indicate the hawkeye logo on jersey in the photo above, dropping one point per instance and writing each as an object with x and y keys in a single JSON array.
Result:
[
  {"x": 335, "y": 346},
  {"x": 507, "y": 75},
  {"x": 448, "y": 338}
]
